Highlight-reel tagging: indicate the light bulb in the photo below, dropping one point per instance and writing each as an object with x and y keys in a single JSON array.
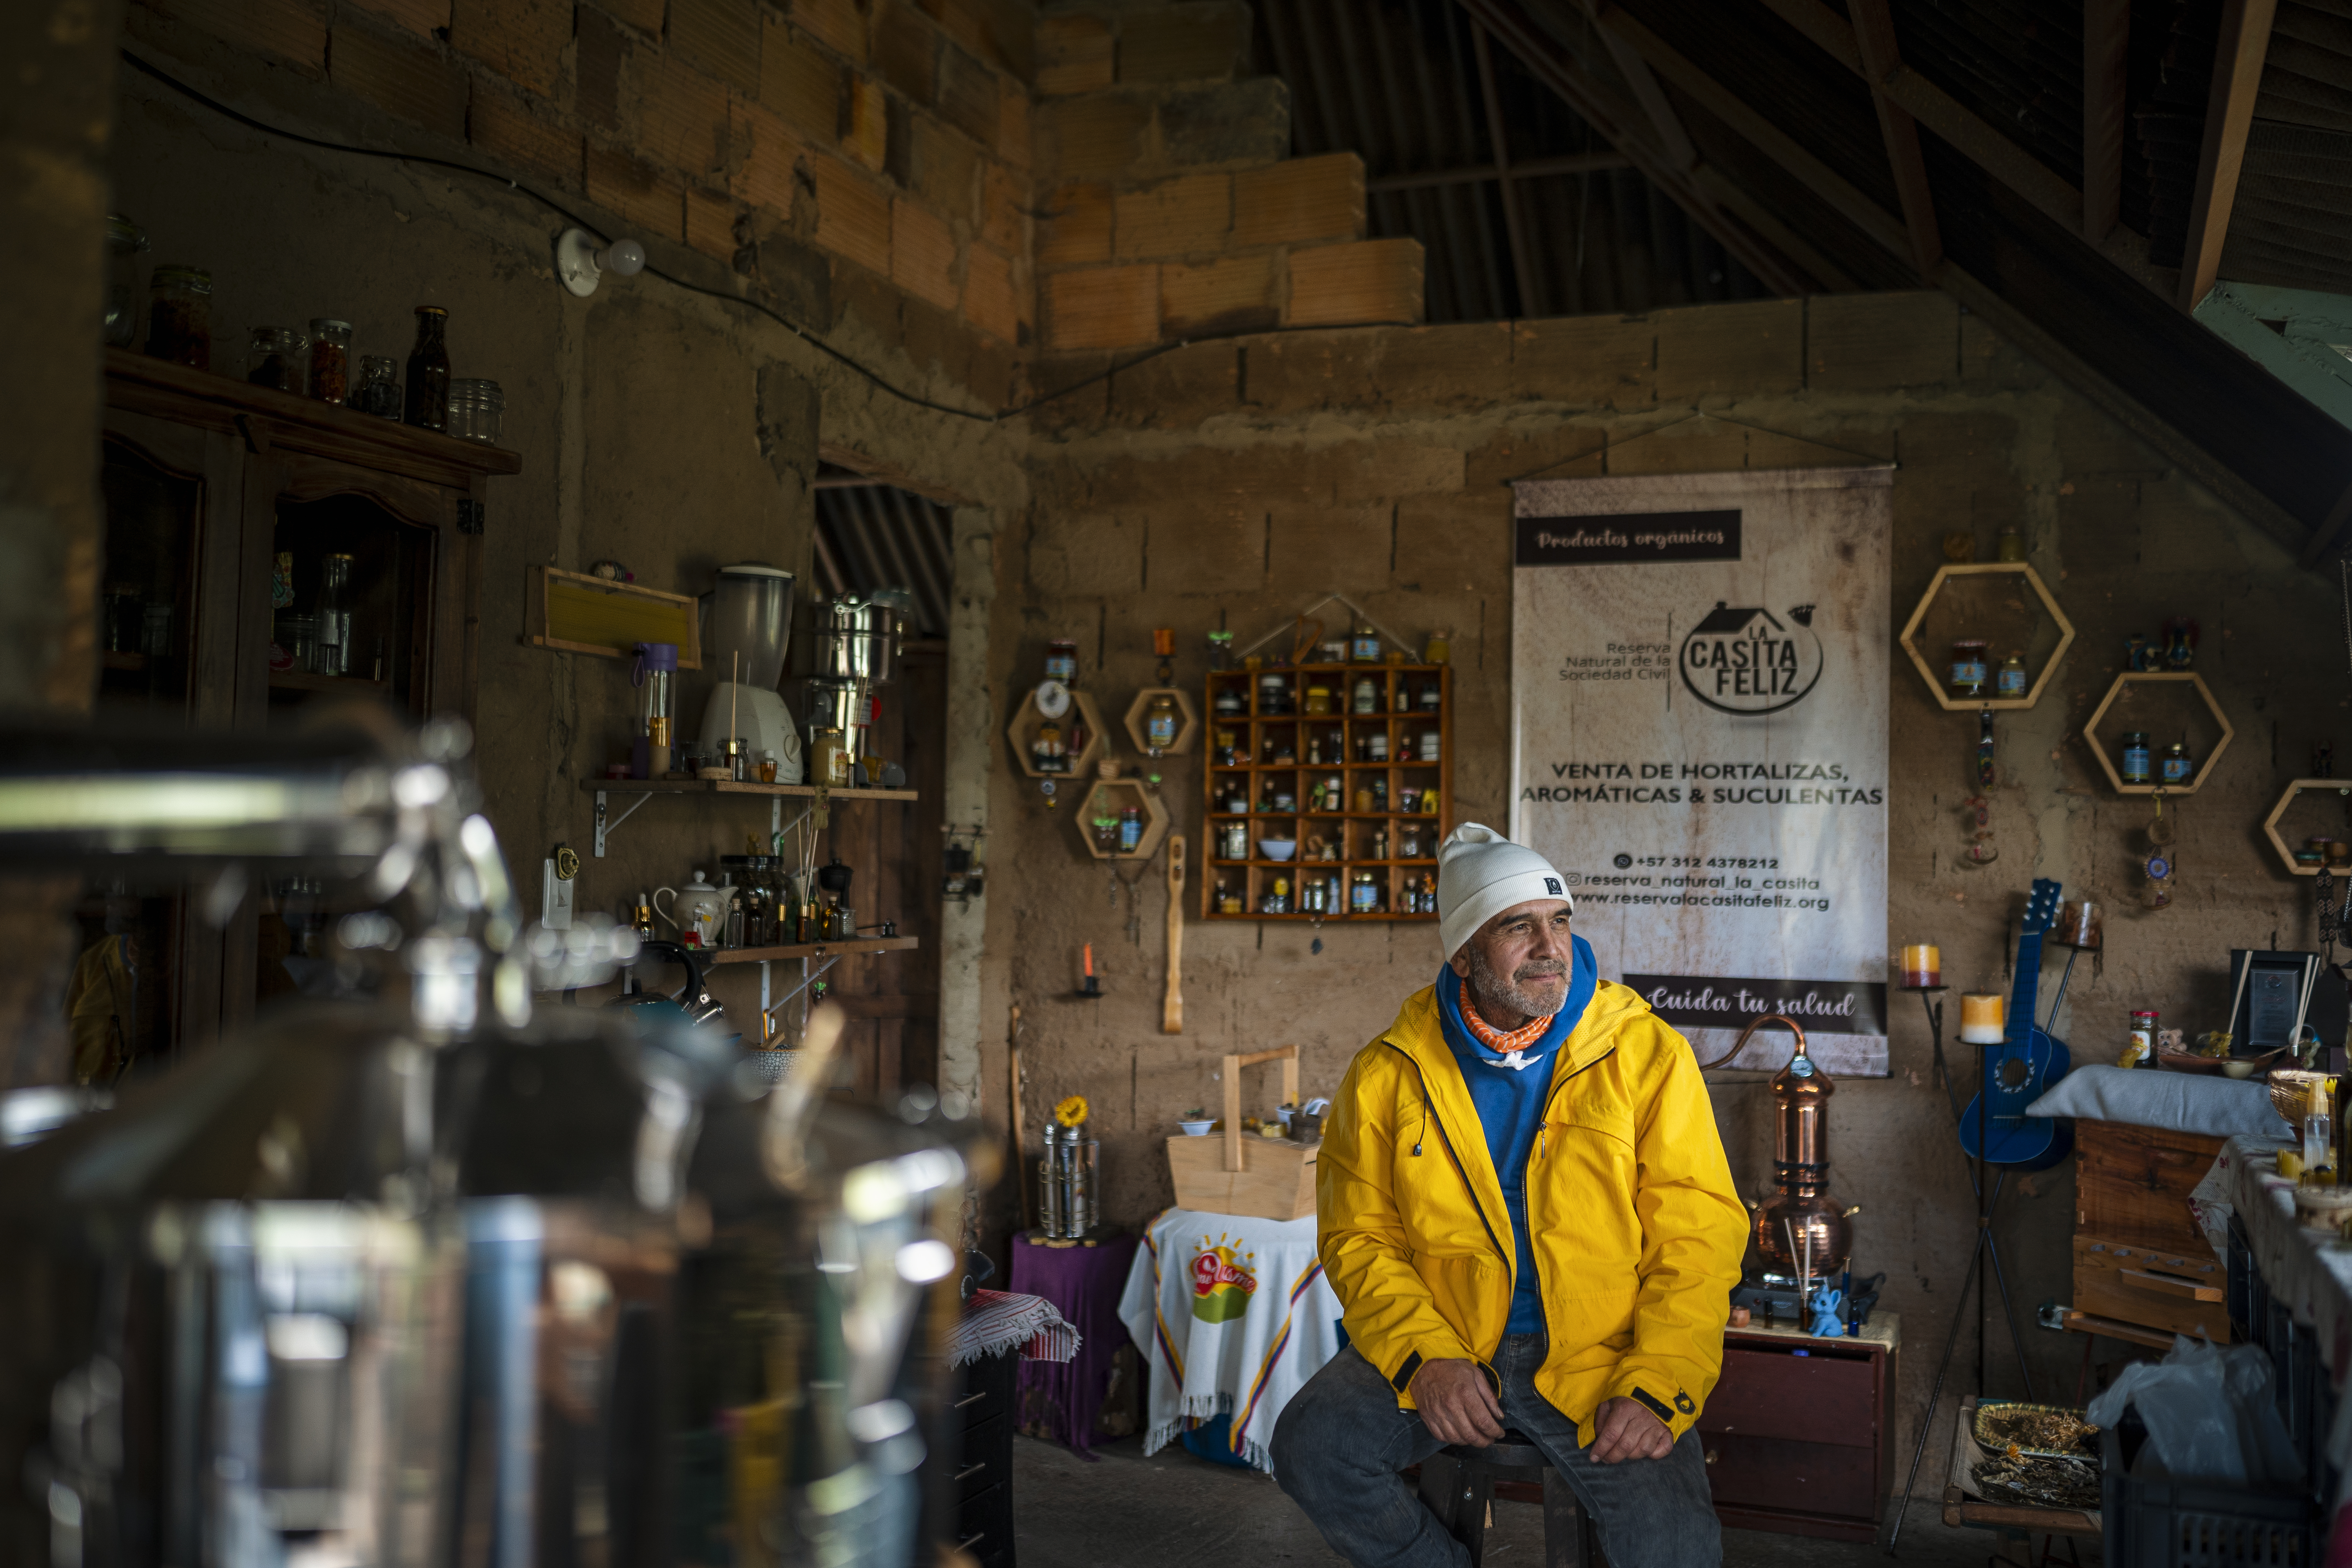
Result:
[{"x": 623, "y": 257}]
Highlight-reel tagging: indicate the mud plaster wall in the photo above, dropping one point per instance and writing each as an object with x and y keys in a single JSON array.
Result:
[
  {"x": 1230, "y": 487},
  {"x": 672, "y": 433}
]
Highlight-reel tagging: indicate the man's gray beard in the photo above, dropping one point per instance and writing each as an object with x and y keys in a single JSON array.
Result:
[{"x": 1496, "y": 993}]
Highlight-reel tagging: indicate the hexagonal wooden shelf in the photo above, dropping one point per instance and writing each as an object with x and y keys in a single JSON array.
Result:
[
  {"x": 2286, "y": 799},
  {"x": 1107, "y": 797},
  {"x": 2130, "y": 678},
  {"x": 1187, "y": 733},
  {"x": 1024, "y": 729},
  {"x": 1986, "y": 569}
]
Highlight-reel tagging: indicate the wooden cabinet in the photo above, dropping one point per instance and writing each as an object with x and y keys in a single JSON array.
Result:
[
  {"x": 208, "y": 483},
  {"x": 980, "y": 1484},
  {"x": 1800, "y": 1432},
  {"x": 2143, "y": 1270}
]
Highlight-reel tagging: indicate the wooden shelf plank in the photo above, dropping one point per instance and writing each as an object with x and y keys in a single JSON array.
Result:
[
  {"x": 307, "y": 680},
  {"x": 813, "y": 949},
  {"x": 728, "y": 786}
]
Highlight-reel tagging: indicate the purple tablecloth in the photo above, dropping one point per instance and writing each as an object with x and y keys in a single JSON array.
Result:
[{"x": 1085, "y": 1284}]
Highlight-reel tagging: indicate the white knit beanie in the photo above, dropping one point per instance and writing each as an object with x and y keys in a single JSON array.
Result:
[{"x": 1480, "y": 874}]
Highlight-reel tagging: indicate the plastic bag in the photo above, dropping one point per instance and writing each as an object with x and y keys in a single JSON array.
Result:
[{"x": 2210, "y": 1416}]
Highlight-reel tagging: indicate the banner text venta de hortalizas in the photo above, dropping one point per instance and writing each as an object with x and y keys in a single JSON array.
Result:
[{"x": 1702, "y": 783}]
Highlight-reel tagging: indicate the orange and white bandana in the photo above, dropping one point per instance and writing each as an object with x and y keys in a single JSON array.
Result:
[{"x": 1507, "y": 1046}]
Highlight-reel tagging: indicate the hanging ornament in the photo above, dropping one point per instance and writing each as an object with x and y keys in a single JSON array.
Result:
[
  {"x": 1986, "y": 773},
  {"x": 1981, "y": 850},
  {"x": 2159, "y": 865}
]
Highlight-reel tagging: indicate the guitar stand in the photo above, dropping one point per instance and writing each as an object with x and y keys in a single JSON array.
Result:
[{"x": 1984, "y": 1258}]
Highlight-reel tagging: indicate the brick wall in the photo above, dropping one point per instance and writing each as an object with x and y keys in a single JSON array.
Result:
[
  {"x": 1169, "y": 211},
  {"x": 894, "y": 136}
]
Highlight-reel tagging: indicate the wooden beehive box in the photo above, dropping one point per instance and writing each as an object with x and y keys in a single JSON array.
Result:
[
  {"x": 2140, "y": 1261},
  {"x": 1246, "y": 1173}
]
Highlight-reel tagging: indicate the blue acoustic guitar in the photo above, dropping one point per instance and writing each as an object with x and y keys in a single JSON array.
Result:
[{"x": 2024, "y": 1065}]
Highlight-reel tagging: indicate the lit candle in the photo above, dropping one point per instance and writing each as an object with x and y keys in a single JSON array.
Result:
[
  {"x": 1923, "y": 964},
  {"x": 1983, "y": 1020},
  {"x": 1090, "y": 961}
]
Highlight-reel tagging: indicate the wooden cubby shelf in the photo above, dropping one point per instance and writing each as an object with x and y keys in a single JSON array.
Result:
[
  {"x": 812, "y": 950},
  {"x": 1259, "y": 752}
]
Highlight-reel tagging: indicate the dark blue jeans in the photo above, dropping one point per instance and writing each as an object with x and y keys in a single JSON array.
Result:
[{"x": 1342, "y": 1440}]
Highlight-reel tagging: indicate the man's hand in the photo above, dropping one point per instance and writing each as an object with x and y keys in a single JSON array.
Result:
[
  {"x": 1456, "y": 1404},
  {"x": 1621, "y": 1429}
]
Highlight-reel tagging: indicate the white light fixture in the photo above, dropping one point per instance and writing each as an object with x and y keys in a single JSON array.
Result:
[{"x": 579, "y": 261}]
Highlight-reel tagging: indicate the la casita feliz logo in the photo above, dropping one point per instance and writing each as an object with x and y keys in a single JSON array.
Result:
[{"x": 1749, "y": 662}]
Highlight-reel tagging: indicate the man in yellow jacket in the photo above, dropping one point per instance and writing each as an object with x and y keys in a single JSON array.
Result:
[{"x": 1525, "y": 1209}]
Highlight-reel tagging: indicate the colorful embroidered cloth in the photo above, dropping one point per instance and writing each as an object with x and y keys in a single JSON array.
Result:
[
  {"x": 1233, "y": 1316},
  {"x": 995, "y": 1320}
]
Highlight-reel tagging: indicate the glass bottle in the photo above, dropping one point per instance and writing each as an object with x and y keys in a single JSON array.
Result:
[
  {"x": 275, "y": 359},
  {"x": 179, "y": 316},
  {"x": 427, "y": 407},
  {"x": 1221, "y": 650},
  {"x": 1439, "y": 647},
  {"x": 2010, "y": 684},
  {"x": 1161, "y": 722},
  {"x": 124, "y": 240},
  {"x": 1968, "y": 673},
  {"x": 378, "y": 392},
  {"x": 331, "y": 360},
  {"x": 333, "y": 615},
  {"x": 1364, "y": 643},
  {"x": 1367, "y": 696},
  {"x": 2136, "y": 770},
  {"x": 476, "y": 410},
  {"x": 2175, "y": 767},
  {"x": 2010, "y": 545}
]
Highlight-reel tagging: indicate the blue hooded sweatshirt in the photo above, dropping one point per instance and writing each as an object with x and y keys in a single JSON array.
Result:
[{"x": 1510, "y": 1104}]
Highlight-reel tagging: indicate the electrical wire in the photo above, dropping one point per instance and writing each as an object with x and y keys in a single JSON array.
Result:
[{"x": 818, "y": 343}]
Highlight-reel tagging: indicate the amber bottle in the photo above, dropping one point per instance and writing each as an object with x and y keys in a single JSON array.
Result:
[{"x": 428, "y": 371}]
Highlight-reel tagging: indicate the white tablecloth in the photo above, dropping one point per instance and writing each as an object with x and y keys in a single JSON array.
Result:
[{"x": 1232, "y": 1315}]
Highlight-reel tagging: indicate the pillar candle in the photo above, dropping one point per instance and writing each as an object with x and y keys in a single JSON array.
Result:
[
  {"x": 1983, "y": 1020},
  {"x": 1923, "y": 964}
]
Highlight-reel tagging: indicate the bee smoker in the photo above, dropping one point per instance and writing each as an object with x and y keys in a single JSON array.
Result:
[
  {"x": 1068, "y": 1203},
  {"x": 1800, "y": 1233}
]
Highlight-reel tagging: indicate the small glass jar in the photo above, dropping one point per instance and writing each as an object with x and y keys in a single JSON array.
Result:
[
  {"x": 476, "y": 410},
  {"x": 1429, "y": 697},
  {"x": 125, "y": 241},
  {"x": 1062, "y": 660},
  {"x": 1439, "y": 647},
  {"x": 1969, "y": 673},
  {"x": 2175, "y": 767},
  {"x": 273, "y": 359},
  {"x": 378, "y": 392},
  {"x": 1432, "y": 747},
  {"x": 1319, "y": 700},
  {"x": 2009, "y": 685},
  {"x": 334, "y": 616},
  {"x": 1364, "y": 643},
  {"x": 1363, "y": 894},
  {"x": 1225, "y": 748},
  {"x": 1273, "y": 694},
  {"x": 331, "y": 360},
  {"x": 2010, "y": 546},
  {"x": 2136, "y": 757},
  {"x": 298, "y": 641},
  {"x": 179, "y": 316},
  {"x": 1377, "y": 747},
  {"x": 1367, "y": 696},
  {"x": 1162, "y": 722}
]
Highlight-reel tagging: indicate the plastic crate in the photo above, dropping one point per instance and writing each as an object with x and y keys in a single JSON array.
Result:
[{"x": 2153, "y": 1523}]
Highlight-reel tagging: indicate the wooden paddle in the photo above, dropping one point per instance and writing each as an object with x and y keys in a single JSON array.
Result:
[
  {"x": 1171, "y": 1011},
  {"x": 1020, "y": 1141}
]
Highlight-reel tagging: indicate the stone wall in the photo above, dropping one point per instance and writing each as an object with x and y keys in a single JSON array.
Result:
[{"x": 1232, "y": 484}]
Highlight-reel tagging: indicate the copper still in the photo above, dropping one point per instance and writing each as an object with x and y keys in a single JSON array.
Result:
[{"x": 1801, "y": 1228}]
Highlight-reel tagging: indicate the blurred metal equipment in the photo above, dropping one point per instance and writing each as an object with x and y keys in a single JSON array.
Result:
[
  {"x": 1066, "y": 1197},
  {"x": 417, "y": 1276}
]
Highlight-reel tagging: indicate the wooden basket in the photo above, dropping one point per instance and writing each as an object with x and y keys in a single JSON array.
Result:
[{"x": 1267, "y": 1178}]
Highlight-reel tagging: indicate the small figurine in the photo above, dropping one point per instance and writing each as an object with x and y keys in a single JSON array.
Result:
[
  {"x": 2180, "y": 644},
  {"x": 1828, "y": 1308}
]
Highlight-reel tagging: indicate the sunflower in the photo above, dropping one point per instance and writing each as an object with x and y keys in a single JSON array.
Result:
[{"x": 1072, "y": 1111}]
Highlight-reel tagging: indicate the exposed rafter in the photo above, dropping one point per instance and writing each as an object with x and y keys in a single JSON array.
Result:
[
  {"x": 1881, "y": 61},
  {"x": 1783, "y": 267},
  {"x": 1598, "y": 162},
  {"x": 2237, "y": 53},
  {"x": 2107, "y": 38},
  {"x": 1523, "y": 272}
]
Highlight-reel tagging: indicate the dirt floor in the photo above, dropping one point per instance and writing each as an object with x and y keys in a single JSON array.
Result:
[{"x": 1173, "y": 1510}]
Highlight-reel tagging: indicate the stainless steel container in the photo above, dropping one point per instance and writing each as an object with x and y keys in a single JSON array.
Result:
[
  {"x": 1067, "y": 1198},
  {"x": 748, "y": 625},
  {"x": 858, "y": 636}
]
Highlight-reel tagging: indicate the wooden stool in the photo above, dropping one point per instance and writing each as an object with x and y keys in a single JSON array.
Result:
[{"x": 1458, "y": 1483}]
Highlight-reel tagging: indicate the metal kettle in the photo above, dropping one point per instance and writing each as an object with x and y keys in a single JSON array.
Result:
[{"x": 1801, "y": 1227}]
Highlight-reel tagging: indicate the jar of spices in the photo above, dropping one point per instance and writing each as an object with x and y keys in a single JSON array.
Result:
[
  {"x": 476, "y": 410},
  {"x": 1367, "y": 698},
  {"x": 1363, "y": 895},
  {"x": 2140, "y": 1048},
  {"x": 331, "y": 360},
  {"x": 179, "y": 316},
  {"x": 1968, "y": 672},
  {"x": 124, "y": 241},
  {"x": 427, "y": 407},
  {"x": 378, "y": 392},
  {"x": 2136, "y": 760},
  {"x": 2010, "y": 684},
  {"x": 2175, "y": 769}
]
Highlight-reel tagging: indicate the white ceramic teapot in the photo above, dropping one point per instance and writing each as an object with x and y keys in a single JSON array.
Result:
[{"x": 695, "y": 911}]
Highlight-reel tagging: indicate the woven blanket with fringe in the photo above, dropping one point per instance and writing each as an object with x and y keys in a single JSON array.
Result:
[
  {"x": 996, "y": 1321},
  {"x": 1233, "y": 1315}
]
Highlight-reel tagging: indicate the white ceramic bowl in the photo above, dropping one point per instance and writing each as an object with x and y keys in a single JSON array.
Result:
[
  {"x": 1197, "y": 1129},
  {"x": 1278, "y": 849}
]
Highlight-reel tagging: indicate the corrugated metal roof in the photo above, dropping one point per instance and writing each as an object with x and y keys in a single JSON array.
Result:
[
  {"x": 1397, "y": 82},
  {"x": 871, "y": 535}
]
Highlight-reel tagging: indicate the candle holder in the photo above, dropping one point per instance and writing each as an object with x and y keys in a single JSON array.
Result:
[{"x": 1090, "y": 987}]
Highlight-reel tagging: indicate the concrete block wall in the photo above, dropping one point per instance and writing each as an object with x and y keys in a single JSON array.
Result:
[
  {"x": 1170, "y": 207},
  {"x": 893, "y": 135},
  {"x": 1232, "y": 484}
]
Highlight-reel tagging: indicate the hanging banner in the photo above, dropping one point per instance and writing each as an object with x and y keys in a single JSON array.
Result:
[{"x": 1699, "y": 684}]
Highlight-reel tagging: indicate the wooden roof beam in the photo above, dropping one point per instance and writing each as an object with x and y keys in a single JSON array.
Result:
[
  {"x": 1881, "y": 61},
  {"x": 1523, "y": 269},
  {"x": 1782, "y": 266},
  {"x": 2107, "y": 38},
  {"x": 2238, "y": 54}
]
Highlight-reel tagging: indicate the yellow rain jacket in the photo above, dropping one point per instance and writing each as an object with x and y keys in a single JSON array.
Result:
[{"x": 1637, "y": 1231}]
